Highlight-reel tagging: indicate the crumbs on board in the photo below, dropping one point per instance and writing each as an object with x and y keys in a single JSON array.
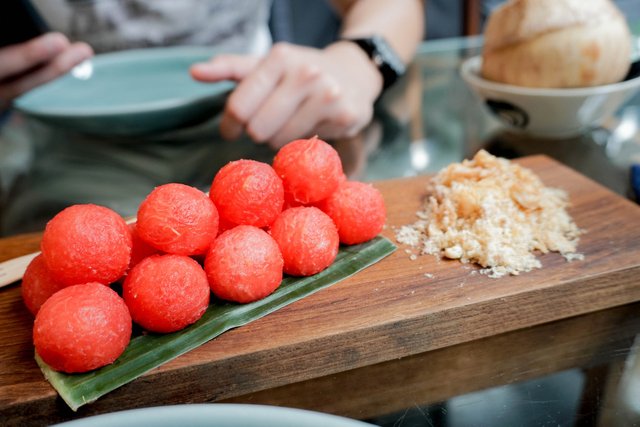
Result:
[{"x": 495, "y": 213}]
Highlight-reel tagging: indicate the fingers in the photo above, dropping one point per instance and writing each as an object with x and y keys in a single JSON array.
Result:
[
  {"x": 253, "y": 91},
  {"x": 71, "y": 56},
  {"x": 292, "y": 93},
  {"x": 282, "y": 102},
  {"x": 304, "y": 120},
  {"x": 224, "y": 67},
  {"x": 230, "y": 127},
  {"x": 329, "y": 114},
  {"x": 19, "y": 58}
]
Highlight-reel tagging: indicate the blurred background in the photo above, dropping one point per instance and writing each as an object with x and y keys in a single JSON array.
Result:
[{"x": 308, "y": 22}]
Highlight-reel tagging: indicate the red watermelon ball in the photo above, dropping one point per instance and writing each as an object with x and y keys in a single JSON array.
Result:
[
  {"x": 38, "y": 284},
  {"x": 81, "y": 328},
  {"x": 86, "y": 243},
  {"x": 166, "y": 293},
  {"x": 248, "y": 192},
  {"x": 178, "y": 219},
  {"x": 244, "y": 264},
  {"x": 310, "y": 169},
  {"x": 308, "y": 239},
  {"x": 139, "y": 248},
  {"x": 225, "y": 225},
  {"x": 358, "y": 211}
]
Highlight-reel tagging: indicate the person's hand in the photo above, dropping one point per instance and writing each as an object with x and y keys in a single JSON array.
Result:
[
  {"x": 296, "y": 92},
  {"x": 26, "y": 65}
]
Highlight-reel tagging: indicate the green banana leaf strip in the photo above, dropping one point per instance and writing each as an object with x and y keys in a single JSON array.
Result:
[{"x": 149, "y": 351}]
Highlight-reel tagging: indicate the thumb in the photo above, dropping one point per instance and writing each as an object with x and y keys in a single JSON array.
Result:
[{"x": 224, "y": 67}]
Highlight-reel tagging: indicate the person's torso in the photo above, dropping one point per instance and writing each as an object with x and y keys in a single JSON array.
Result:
[{"x": 107, "y": 25}]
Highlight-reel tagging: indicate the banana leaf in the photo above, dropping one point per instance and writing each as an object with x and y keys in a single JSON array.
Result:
[{"x": 149, "y": 351}]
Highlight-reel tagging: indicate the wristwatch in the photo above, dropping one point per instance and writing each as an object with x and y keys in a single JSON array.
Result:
[{"x": 384, "y": 57}]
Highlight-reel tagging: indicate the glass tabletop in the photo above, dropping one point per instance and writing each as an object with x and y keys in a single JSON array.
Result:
[
  {"x": 427, "y": 121},
  {"x": 446, "y": 123}
]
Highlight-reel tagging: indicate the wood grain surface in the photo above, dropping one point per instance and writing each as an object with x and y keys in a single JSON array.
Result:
[
  {"x": 388, "y": 312},
  {"x": 590, "y": 341}
]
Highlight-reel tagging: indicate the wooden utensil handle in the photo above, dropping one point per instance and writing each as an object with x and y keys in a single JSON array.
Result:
[{"x": 12, "y": 270}]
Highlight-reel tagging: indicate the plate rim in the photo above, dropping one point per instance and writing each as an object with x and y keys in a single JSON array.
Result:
[
  {"x": 217, "y": 88},
  {"x": 267, "y": 413}
]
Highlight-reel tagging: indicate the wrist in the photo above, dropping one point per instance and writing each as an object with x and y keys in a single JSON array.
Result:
[
  {"x": 356, "y": 61},
  {"x": 383, "y": 56}
]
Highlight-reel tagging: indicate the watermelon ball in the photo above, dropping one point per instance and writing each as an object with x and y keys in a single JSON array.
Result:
[
  {"x": 38, "y": 284},
  {"x": 139, "y": 248},
  {"x": 358, "y": 211},
  {"x": 290, "y": 201},
  {"x": 244, "y": 264},
  {"x": 86, "y": 243},
  {"x": 81, "y": 328},
  {"x": 225, "y": 225},
  {"x": 178, "y": 219},
  {"x": 308, "y": 239},
  {"x": 248, "y": 192},
  {"x": 310, "y": 169},
  {"x": 166, "y": 293}
]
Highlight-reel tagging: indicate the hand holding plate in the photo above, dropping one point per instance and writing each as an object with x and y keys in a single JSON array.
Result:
[
  {"x": 26, "y": 65},
  {"x": 296, "y": 91}
]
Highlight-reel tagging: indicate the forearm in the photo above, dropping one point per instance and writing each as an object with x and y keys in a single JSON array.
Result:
[{"x": 400, "y": 22}]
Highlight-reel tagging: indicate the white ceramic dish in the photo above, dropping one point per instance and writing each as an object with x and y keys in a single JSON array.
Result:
[
  {"x": 215, "y": 415},
  {"x": 545, "y": 112}
]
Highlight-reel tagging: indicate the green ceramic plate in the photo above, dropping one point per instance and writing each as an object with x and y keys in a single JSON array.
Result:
[{"x": 128, "y": 93}]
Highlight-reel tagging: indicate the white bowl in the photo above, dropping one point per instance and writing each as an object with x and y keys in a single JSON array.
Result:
[{"x": 555, "y": 113}]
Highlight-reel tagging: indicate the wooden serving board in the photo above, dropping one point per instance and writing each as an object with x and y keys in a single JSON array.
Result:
[{"x": 396, "y": 308}]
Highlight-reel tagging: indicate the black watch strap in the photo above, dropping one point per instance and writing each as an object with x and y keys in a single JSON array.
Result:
[{"x": 384, "y": 57}]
